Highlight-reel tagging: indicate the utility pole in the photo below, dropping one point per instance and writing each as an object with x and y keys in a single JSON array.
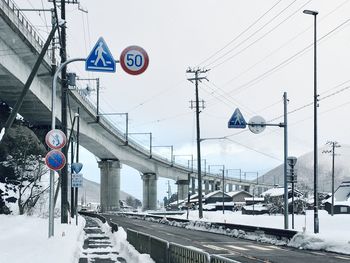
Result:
[
  {"x": 334, "y": 145},
  {"x": 197, "y": 72},
  {"x": 64, "y": 93}
]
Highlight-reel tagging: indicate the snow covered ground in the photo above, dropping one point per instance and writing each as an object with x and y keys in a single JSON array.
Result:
[
  {"x": 25, "y": 239},
  {"x": 334, "y": 231}
]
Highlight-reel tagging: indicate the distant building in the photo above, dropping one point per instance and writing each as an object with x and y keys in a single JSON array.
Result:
[
  {"x": 239, "y": 196},
  {"x": 216, "y": 196},
  {"x": 341, "y": 200}
]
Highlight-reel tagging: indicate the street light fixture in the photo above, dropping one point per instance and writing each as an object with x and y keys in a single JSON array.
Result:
[{"x": 316, "y": 219}]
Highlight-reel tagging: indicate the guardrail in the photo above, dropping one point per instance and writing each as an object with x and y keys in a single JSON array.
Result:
[
  {"x": 162, "y": 251},
  {"x": 275, "y": 232},
  {"x": 23, "y": 25}
]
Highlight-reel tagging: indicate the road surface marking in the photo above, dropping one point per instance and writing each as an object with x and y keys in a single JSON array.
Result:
[
  {"x": 259, "y": 248},
  {"x": 214, "y": 247},
  {"x": 318, "y": 253},
  {"x": 340, "y": 257},
  {"x": 274, "y": 247},
  {"x": 238, "y": 248}
]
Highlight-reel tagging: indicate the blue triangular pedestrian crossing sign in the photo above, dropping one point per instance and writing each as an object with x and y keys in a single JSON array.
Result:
[
  {"x": 100, "y": 58},
  {"x": 237, "y": 120}
]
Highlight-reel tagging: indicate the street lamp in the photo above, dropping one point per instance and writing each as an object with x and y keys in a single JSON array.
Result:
[
  {"x": 316, "y": 220},
  {"x": 223, "y": 184}
]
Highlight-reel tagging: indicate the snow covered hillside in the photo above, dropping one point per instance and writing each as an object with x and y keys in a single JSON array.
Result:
[{"x": 305, "y": 170}]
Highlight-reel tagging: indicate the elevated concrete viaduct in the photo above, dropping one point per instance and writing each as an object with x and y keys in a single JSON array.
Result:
[{"x": 21, "y": 46}]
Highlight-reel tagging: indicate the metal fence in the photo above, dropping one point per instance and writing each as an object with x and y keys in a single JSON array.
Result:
[{"x": 162, "y": 251}]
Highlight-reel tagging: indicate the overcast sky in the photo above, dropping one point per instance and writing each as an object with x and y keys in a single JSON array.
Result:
[{"x": 256, "y": 50}]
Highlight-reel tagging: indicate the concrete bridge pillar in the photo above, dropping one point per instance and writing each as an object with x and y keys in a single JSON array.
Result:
[
  {"x": 182, "y": 189},
  {"x": 149, "y": 191},
  {"x": 206, "y": 187},
  {"x": 110, "y": 184},
  {"x": 230, "y": 187},
  {"x": 193, "y": 185},
  {"x": 238, "y": 187}
]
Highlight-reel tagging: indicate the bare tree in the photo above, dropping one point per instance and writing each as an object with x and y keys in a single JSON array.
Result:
[{"x": 24, "y": 156}]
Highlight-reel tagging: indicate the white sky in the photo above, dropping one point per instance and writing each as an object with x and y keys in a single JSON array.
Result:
[{"x": 179, "y": 34}]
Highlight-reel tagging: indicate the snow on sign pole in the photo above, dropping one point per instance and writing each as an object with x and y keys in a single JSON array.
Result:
[
  {"x": 134, "y": 60},
  {"x": 100, "y": 58},
  {"x": 237, "y": 120}
]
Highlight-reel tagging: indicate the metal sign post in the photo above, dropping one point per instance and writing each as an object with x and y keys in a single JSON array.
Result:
[{"x": 257, "y": 125}]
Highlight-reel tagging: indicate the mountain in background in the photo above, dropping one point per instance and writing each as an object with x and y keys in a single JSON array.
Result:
[
  {"x": 305, "y": 170},
  {"x": 91, "y": 192}
]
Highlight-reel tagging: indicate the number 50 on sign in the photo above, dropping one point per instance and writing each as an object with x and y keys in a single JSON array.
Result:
[{"x": 134, "y": 60}]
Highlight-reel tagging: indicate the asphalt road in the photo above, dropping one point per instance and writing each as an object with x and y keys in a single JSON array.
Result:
[{"x": 234, "y": 248}]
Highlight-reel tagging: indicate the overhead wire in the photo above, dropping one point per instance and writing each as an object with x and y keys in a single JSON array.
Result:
[
  {"x": 286, "y": 61},
  {"x": 261, "y": 37},
  {"x": 240, "y": 34},
  {"x": 251, "y": 35},
  {"x": 288, "y": 42}
]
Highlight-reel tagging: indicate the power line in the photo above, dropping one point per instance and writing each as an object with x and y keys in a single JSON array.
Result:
[
  {"x": 257, "y": 151},
  {"x": 251, "y": 35},
  {"x": 263, "y": 36},
  {"x": 285, "y": 62},
  {"x": 240, "y": 34},
  {"x": 288, "y": 42}
]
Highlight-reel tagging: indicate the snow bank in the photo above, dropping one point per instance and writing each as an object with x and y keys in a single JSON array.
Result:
[
  {"x": 125, "y": 249},
  {"x": 25, "y": 239},
  {"x": 314, "y": 242}
]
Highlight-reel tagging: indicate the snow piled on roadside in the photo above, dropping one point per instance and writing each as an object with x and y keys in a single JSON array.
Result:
[
  {"x": 25, "y": 239},
  {"x": 314, "y": 242},
  {"x": 334, "y": 236},
  {"x": 124, "y": 248}
]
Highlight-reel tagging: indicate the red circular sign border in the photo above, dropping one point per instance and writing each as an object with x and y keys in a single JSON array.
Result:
[
  {"x": 63, "y": 157},
  {"x": 52, "y": 146},
  {"x": 142, "y": 51}
]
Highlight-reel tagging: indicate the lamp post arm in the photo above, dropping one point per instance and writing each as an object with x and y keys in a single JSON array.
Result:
[{"x": 54, "y": 88}]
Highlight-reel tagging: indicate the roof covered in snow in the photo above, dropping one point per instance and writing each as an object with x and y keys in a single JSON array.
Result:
[
  {"x": 234, "y": 193},
  {"x": 279, "y": 191}
]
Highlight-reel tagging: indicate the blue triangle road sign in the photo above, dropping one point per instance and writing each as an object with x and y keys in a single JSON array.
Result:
[
  {"x": 237, "y": 120},
  {"x": 100, "y": 58},
  {"x": 76, "y": 167}
]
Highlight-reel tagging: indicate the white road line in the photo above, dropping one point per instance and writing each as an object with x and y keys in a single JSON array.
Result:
[
  {"x": 340, "y": 257},
  {"x": 259, "y": 248},
  {"x": 214, "y": 247},
  {"x": 237, "y": 248},
  {"x": 274, "y": 247}
]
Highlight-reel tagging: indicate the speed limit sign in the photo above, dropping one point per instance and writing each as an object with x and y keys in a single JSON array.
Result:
[{"x": 134, "y": 60}]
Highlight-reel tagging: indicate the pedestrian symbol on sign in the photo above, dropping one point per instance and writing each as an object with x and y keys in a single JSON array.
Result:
[
  {"x": 100, "y": 58},
  {"x": 237, "y": 120}
]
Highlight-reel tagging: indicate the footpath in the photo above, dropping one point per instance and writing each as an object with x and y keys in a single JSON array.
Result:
[{"x": 97, "y": 247}]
